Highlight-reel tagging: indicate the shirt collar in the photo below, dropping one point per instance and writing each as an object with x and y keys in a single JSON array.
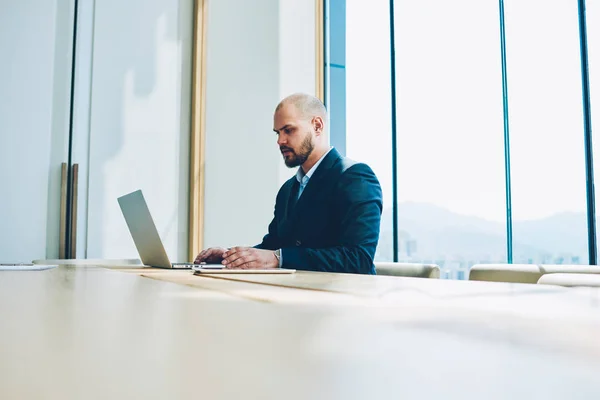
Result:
[{"x": 300, "y": 175}]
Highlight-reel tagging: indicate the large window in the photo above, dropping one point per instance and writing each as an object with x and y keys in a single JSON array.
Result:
[
  {"x": 490, "y": 152},
  {"x": 593, "y": 30},
  {"x": 546, "y": 132},
  {"x": 361, "y": 99},
  {"x": 451, "y": 204},
  {"x": 368, "y": 101}
]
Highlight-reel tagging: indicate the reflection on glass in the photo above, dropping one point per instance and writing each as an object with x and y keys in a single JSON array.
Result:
[{"x": 546, "y": 132}]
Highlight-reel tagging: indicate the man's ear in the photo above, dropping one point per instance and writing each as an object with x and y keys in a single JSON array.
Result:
[{"x": 318, "y": 125}]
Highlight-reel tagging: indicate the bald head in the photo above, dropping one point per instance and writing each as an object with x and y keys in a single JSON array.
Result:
[
  {"x": 308, "y": 106},
  {"x": 299, "y": 122}
]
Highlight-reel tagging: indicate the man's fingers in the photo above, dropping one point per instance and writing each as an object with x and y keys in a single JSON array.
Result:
[
  {"x": 248, "y": 259},
  {"x": 233, "y": 255},
  {"x": 199, "y": 257},
  {"x": 238, "y": 259},
  {"x": 234, "y": 250},
  {"x": 209, "y": 253},
  {"x": 250, "y": 265},
  {"x": 214, "y": 253},
  {"x": 231, "y": 258},
  {"x": 205, "y": 255}
]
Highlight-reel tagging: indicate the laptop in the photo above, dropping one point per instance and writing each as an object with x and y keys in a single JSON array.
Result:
[
  {"x": 150, "y": 246},
  {"x": 144, "y": 233}
]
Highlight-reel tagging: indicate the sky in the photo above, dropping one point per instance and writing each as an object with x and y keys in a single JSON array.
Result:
[{"x": 449, "y": 103}]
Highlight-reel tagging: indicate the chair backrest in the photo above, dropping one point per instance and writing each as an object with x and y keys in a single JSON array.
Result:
[
  {"x": 570, "y": 280},
  {"x": 408, "y": 270},
  {"x": 524, "y": 273}
]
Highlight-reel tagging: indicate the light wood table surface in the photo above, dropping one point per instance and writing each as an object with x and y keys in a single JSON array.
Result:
[{"x": 96, "y": 333}]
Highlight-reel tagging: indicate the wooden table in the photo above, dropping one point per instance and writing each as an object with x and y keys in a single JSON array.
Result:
[{"x": 94, "y": 333}]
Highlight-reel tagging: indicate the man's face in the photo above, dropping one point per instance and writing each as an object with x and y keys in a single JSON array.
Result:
[{"x": 295, "y": 135}]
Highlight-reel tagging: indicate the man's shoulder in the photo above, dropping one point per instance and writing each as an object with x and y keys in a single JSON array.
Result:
[
  {"x": 355, "y": 181},
  {"x": 347, "y": 165}
]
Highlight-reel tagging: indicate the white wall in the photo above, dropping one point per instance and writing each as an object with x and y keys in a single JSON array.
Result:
[
  {"x": 140, "y": 121},
  {"x": 297, "y": 54},
  {"x": 35, "y": 54},
  {"x": 132, "y": 114},
  {"x": 258, "y": 52}
]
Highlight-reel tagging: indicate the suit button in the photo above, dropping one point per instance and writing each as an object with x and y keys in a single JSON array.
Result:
[{"x": 298, "y": 243}]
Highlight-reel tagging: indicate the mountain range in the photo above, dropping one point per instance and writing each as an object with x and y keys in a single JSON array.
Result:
[{"x": 430, "y": 232}]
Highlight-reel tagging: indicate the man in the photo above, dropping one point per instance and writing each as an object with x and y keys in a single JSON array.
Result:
[{"x": 327, "y": 216}]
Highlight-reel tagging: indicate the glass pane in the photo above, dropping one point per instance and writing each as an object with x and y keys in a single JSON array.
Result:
[
  {"x": 368, "y": 101},
  {"x": 360, "y": 88},
  {"x": 593, "y": 34},
  {"x": 451, "y": 180},
  {"x": 546, "y": 132}
]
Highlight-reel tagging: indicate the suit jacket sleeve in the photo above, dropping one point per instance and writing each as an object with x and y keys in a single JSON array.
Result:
[
  {"x": 271, "y": 240},
  {"x": 360, "y": 205}
]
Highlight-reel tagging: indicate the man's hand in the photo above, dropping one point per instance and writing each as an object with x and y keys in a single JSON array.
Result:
[
  {"x": 214, "y": 255},
  {"x": 250, "y": 258}
]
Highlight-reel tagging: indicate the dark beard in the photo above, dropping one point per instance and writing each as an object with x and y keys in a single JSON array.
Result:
[{"x": 297, "y": 159}]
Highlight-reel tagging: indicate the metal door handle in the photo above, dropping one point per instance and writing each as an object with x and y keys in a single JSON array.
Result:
[
  {"x": 62, "y": 238},
  {"x": 74, "y": 197}
]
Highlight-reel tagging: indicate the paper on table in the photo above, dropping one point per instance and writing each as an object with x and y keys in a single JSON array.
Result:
[{"x": 25, "y": 267}]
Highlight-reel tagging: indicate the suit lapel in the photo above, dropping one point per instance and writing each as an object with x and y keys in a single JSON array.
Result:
[
  {"x": 292, "y": 197},
  {"x": 285, "y": 216},
  {"x": 315, "y": 182}
]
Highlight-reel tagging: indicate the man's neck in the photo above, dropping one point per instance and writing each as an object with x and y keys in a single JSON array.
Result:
[{"x": 313, "y": 158}]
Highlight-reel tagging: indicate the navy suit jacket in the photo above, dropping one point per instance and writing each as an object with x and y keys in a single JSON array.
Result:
[{"x": 334, "y": 226}]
